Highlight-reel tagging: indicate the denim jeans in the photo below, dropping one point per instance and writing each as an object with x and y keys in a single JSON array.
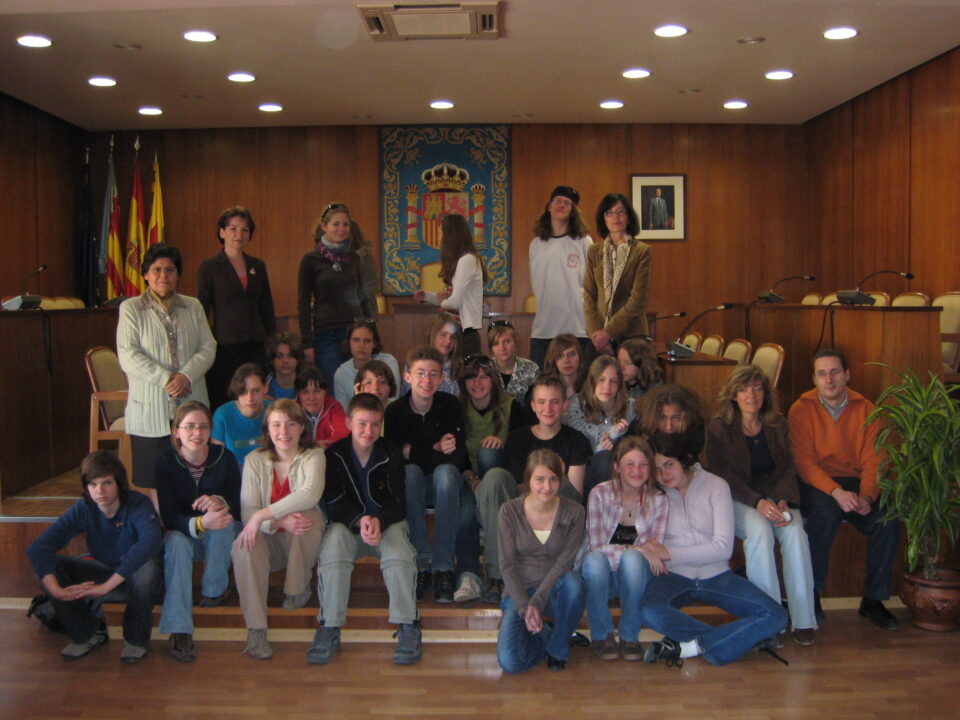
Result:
[
  {"x": 823, "y": 520},
  {"x": 441, "y": 491},
  {"x": 758, "y": 535},
  {"x": 179, "y": 553},
  {"x": 628, "y": 582},
  {"x": 467, "y": 548},
  {"x": 82, "y": 618},
  {"x": 489, "y": 458},
  {"x": 518, "y": 649},
  {"x": 328, "y": 351},
  {"x": 759, "y": 616}
]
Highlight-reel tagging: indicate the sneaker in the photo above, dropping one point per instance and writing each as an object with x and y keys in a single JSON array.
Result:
[
  {"x": 424, "y": 581},
  {"x": 875, "y": 612},
  {"x": 468, "y": 589},
  {"x": 257, "y": 646},
  {"x": 295, "y": 602},
  {"x": 443, "y": 585},
  {"x": 182, "y": 648},
  {"x": 665, "y": 649},
  {"x": 770, "y": 643},
  {"x": 409, "y": 643},
  {"x": 209, "y": 602},
  {"x": 75, "y": 651},
  {"x": 804, "y": 637},
  {"x": 555, "y": 664},
  {"x": 631, "y": 651},
  {"x": 326, "y": 644},
  {"x": 493, "y": 592},
  {"x": 132, "y": 653},
  {"x": 607, "y": 649}
]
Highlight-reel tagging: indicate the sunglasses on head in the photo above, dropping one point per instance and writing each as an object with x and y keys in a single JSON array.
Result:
[
  {"x": 502, "y": 323},
  {"x": 478, "y": 360}
]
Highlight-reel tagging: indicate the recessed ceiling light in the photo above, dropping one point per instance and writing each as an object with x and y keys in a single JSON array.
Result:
[
  {"x": 735, "y": 104},
  {"x": 611, "y": 104},
  {"x": 668, "y": 31},
  {"x": 635, "y": 73},
  {"x": 201, "y": 36},
  {"x": 689, "y": 91},
  {"x": 241, "y": 77},
  {"x": 271, "y": 107},
  {"x": 128, "y": 46},
  {"x": 779, "y": 75},
  {"x": 751, "y": 40},
  {"x": 441, "y": 105},
  {"x": 150, "y": 111},
  {"x": 101, "y": 81},
  {"x": 840, "y": 33},
  {"x": 34, "y": 41}
]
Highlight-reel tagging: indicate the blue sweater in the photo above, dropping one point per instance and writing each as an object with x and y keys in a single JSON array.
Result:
[
  {"x": 176, "y": 490},
  {"x": 123, "y": 543}
]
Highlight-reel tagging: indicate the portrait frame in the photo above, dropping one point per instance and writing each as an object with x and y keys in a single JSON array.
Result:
[{"x": 653, "y": 226}]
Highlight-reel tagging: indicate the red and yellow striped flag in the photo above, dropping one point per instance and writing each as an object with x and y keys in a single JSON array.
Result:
[
  {"x": 113, "y": 265},
  {"x": 136, "y": 240},
  {"x": 155, "y": 229}
]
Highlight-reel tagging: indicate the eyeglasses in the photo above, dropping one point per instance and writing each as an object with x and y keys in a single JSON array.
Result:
[
  {"x": 615, "y": 213},
  {"x": 828, "y": 373},
  {"x": 190, "y": 427},
  {"x": 478, "y": 360}
]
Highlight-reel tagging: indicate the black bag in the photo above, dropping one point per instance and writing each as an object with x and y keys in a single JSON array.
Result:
[{"x": 41, "y": 607}]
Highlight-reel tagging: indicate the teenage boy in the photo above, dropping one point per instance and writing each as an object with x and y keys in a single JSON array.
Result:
[
  {"x": 427, "y": 426},
  {"x": 364, "y": 498},
  {"x": 239, "y": 424},
  {"x": 549, "y": 403},
  {"x": 122, "y": 565}
]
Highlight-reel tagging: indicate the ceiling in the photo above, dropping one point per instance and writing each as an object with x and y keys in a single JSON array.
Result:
[{"x": 556, "y": 60}]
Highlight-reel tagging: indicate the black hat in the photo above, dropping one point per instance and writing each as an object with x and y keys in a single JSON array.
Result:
[{"x": 567, "y": 192}]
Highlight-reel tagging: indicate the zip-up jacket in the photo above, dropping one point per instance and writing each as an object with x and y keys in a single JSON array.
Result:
[{"x": 343, "y": 496}]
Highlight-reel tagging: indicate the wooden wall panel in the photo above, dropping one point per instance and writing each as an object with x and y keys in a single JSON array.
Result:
[{"x": 18, "y": 202}]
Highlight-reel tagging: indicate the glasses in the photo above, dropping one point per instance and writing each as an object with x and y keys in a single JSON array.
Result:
[
  {"x": 828, "y": 373},
  {"x": 190, "y": 427},
  {"x": 478, "y": 360},
  {"x": 617, "y": 212},
  {"x": 424, "y": 374}
]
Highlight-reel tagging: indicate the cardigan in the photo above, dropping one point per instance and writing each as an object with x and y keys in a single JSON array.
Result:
[
  {"x": 524, "y": 375},
  {"x": 728, "y": 456},
  {"x": 176, "y": 490},
  {"x": 239, "y": 315},
  {"x": 700, "y": 530},
  {"x": 306, "y": 475},
  {"x": 629, "y": 317},
  {"x": 343, "y": 495},
  {"x": 604, "y": 508},
  {"x": 525, "y": 562},
  {"x": 144, "y": 357}
]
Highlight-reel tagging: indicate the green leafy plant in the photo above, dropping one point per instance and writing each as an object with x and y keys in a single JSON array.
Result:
[{"x": 918, "y": 439}]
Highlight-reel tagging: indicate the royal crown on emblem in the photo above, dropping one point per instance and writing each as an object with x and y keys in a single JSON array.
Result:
[{"x": 445, "y": 177}]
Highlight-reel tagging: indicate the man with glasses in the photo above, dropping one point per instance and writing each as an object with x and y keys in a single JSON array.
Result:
[{"x": 837, "y": 462}]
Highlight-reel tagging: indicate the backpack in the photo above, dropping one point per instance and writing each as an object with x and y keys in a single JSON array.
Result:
[{"x": 42, "y": 608}]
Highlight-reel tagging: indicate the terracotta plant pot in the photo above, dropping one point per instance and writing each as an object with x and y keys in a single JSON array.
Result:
[{"x": 934, "y": 604}]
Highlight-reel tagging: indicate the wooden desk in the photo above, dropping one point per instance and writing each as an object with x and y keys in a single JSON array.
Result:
[
  {"x": 903, "y": 337},
  {"x": 702, "y": 373}
]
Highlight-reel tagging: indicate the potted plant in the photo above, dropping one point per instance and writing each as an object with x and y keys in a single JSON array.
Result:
[{"x": 918, "y": 440}]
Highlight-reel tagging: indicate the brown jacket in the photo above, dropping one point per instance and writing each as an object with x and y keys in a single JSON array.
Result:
[{"x": 629, "y": 318}]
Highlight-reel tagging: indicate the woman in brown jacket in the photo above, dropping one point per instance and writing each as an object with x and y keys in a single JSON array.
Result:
[
  {"x": 617, "y": 277},
  {"x": 748, "y": 445}
]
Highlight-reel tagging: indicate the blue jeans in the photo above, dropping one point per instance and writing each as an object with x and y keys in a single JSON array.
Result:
[
  {"x": 489, "y": 458},
  {"x": 628, "y": 582},
  {"x": 179, "y": 553},
  {"x": 823, "y": 520},
  {"x": 82, "y": 618},
  {"x": 518, "y": 649},
  {"x": 760, "y": 617},
  {"x": 758, "y": 535},
  {"x": 441, "y": 491},
  {"x": 328, "y": 351}
]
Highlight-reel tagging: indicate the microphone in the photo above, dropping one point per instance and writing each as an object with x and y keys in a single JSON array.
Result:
[
  {"x": 30, "y": 275},
  {"x": 771, "y": 297},
  {"x": 25, "y": 301},
  {"x": 857, "y": 297},
  {"x": 682, "y": 313},
  {"x": 678, "y": 349}
]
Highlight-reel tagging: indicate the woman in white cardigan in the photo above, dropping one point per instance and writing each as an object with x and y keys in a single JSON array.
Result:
[
  {"x": 282, "y": 526},
  {"x": 165, "y": 347}
]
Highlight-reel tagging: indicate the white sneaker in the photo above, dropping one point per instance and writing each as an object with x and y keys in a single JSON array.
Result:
[{"x": 469, "y": 589}]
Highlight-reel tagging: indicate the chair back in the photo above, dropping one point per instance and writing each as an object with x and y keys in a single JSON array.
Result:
[
  {"x": 712, "y": 345},
  {"x": 829, "y": 299},
  {"x": 881, "y": 299},
  {"x": 811, "y": 298},
  {"x": 911, "y": 299},
  {"x": 769, "y": 358},
  {"x": 103, "y": 368},
  {"x": 530, "y": 304},
  {"x": 949, "y": 324},
  {"x": 692, "y": 340},
  {"x": 738, "y": 350}
]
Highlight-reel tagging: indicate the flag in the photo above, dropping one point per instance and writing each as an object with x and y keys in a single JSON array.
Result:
[
  {"x": 111, "y": 254},
  {"x": 136, "y": 241},
  {"x": 86, "y": 240},
  {"x": 155, "y": 229}
]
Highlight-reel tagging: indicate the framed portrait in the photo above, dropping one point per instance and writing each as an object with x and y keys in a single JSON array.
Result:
[{"x": 660, "y": 201}]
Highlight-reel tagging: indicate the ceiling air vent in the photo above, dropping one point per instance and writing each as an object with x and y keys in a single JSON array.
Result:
[{"x": 422, "y": 21}]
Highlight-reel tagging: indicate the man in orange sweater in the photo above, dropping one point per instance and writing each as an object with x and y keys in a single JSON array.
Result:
[{"x": 837, "y": 462}]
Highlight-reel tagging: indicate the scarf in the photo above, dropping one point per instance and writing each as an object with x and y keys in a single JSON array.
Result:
[{"x": 614, "y": 260}]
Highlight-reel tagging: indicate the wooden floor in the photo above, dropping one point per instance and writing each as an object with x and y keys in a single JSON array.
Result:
[{"x": 854, "y": 672}]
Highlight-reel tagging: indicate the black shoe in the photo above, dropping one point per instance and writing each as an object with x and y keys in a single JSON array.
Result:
[
  {"x": 665, "y": 649},
  {"x": 209, "y": 602},
  {"x": 424, "y": 581},
  {"x": 818, "y": 610},
  {"x": 875, "y": 612},
  {"x": 493, "y": 593},
  {"x": 555, "y": 664},
  {"x": 443, "y": 586}
]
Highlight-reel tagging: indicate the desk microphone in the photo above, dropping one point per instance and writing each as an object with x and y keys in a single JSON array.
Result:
[
  {"x": 25, "y": 301},
  {"x": 771, "y": 297},
  {"x": 857, "y": 297},
  {"x": 30, "y": 275},
  {"x": 678, "y": 349},
  {"x": 682, "y": 313}
]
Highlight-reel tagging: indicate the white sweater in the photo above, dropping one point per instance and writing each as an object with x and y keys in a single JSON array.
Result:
[{"x": 466, "y": 295}]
